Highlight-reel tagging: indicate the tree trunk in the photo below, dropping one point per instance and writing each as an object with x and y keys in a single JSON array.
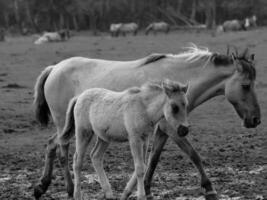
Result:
[
  {"x": 210, "y": 13},
  {"x": 193, "y": 11}
]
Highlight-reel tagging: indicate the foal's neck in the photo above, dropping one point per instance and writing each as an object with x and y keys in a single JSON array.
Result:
[{"x": 154, "y": 102}]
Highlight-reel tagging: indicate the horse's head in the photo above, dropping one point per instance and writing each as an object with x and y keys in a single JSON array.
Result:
[
  {"x": 240, "y": 89},
  {"x": 175, "y": 109}
]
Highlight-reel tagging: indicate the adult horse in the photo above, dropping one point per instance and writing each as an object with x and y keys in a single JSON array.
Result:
[
  {"x": 234, "y": 25},
  {"x": 210, "y": 74},
  {"x": 114, "y": 29},
  {"x": 128, "y": 28},
  {"x": 251, "y": 22},
  {"x": 158, "y": 27},
  {"x": 58, "y": 36}
]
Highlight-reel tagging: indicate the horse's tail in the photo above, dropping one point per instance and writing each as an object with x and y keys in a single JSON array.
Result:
[
  {"x": 148, "y": 29},
  {"x": 68, "y": 130},
  {"x": 41, "y": 108}
]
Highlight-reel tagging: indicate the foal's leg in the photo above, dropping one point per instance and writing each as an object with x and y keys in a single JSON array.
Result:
[
  {"x": 46, "y": 178},
  {"x": 82, "y": 141},
  {"x": 136, "y": 145},
  {"x": 63, "y": 154},
  {"x": 132, "y": 183},
  {"x": 97, "y": 155},
  {"x": 184, "y": 144}
]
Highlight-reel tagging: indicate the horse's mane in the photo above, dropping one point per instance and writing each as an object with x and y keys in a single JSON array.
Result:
[{"x": 192, "y": 54}]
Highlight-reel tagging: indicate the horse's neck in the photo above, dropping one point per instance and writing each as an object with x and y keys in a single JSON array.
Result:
[
  {"x": 154, "y": 102},
  {"x": 206, "y": 87},
  {"x": 206, "y": 82}
]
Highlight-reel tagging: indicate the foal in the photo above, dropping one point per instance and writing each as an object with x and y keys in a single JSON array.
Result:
[{"x": 120, "y": 116}]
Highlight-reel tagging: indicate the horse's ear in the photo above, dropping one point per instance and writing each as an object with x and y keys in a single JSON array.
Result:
[
  {"x": 234, "y": 57},
  {"x": 166, "y": 88},
  {"x": 245, "y": 53},
  {"x": 227, "y": 50},
  {"x": 252, "y": 57},
  {"x": 184, "y": 88}
]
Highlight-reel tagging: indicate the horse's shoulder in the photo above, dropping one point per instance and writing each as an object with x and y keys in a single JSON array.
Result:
[{"x": 153, "y": 58}]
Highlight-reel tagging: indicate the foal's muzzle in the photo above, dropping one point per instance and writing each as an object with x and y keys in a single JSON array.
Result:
[{"x": 182, "y": 130}]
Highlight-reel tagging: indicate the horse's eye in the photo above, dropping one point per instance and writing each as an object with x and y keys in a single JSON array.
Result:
[
  {"x": 175, "y": 109},
  {"x": 246, "y": 87}
]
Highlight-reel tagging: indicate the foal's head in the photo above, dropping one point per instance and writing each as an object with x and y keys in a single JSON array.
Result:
[{"x": 175, "y": 109}]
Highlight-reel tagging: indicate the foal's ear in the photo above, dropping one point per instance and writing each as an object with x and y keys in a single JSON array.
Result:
[
  {"x": 184, "y": 88},
  {"x": 166, "y": 88},
  {"x": 252, "y": 57}
]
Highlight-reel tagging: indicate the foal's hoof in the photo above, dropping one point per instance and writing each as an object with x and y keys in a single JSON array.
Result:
[{"x": 212, "y": 195}]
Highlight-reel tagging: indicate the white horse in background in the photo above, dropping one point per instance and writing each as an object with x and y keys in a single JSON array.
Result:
[
  {"x": 251, "y": 22},
  {"x": 126, "y": 28},
  {"x": 130, "y": 115},
  {"x": 114, "y": 29},
  {"x": 58, "y": 36},
  {"x": 158, "y": 27}
]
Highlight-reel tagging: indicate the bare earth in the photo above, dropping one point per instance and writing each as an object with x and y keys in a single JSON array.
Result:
[{"x": 234, "y": 157}]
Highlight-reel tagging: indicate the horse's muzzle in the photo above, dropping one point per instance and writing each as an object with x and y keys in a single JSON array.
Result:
[
  {"x": 252, "y": 123},
  {"x": 182, "y": 130}
]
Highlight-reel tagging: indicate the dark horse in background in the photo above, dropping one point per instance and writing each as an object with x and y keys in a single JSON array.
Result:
[{"x": 210, "y": 74}]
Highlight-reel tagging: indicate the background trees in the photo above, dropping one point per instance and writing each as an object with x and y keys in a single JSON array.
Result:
[{"x": 39, "y": 15}]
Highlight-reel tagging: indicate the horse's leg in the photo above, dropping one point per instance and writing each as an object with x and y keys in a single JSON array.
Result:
[
  {"x": 97, "y": 155},
  {"x": 46, "y": 178},
  {"x": 82, "y": 141},
  {"x": 63, "y": 156},
  {"x": 159, "y": 141},
  {"x": 184, "y": 144}
]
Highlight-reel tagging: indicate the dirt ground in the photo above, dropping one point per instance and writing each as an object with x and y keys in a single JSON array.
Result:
[{"x": 235, "y": 158}]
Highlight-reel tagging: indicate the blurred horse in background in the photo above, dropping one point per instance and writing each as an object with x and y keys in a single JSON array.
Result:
[
  {"x": 58, "y": 36},
  {"x": 158, "y": 27},
  {"x": 232, "y": 25},
  {"x": 251, "y": 22},
  {"x": 123, "y": 28},
  {"x": 114, "y": 29}
]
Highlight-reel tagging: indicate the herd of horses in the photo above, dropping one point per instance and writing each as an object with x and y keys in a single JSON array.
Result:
[
  {"x": 155, "y": 27},
  {"x": 132, "y": 100},
  {"x": 238, "y": 25}
]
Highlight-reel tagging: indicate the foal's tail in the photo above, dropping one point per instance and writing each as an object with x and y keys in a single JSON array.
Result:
[
  {"x": 68, "y": 130},
  {"x": 41, "y": 109}
]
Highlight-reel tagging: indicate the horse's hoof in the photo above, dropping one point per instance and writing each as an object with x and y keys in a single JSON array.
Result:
[
  {"x": 212, "y": 195},
  {"x": 149, "y": 197},
  {"x": 38, "y": 191}
]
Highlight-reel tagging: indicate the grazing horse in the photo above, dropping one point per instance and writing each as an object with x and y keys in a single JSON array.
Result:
[
  {"x": 251, "y": 22},
  {"x": 210, "y": 74},
  {"x": 128, "y": 28},
  {"x": 157, "y": 27},
  {"x": 114, "y": 29},
  {"x": 234, "y": 25},
  {"x": 120, "y": 116}
]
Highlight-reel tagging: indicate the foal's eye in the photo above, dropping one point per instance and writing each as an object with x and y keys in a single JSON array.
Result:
[
  {"x": 246, "y": 87},
  {"x": 175, "y": 109}
]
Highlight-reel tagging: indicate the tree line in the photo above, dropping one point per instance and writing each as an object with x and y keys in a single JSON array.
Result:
[{"x": 97, "y": 15}]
